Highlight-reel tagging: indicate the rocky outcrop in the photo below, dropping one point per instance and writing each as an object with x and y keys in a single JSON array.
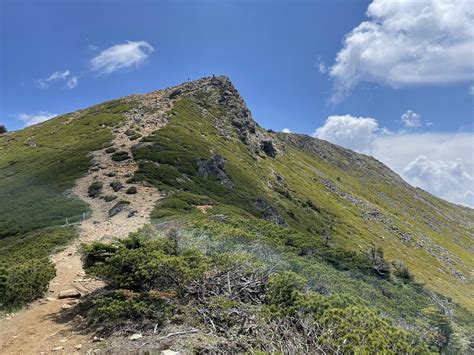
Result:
[
  {"x": 269, "y": 213},
  {"x": 214, "y": 166},
  {"x": 268, "y": 147}
]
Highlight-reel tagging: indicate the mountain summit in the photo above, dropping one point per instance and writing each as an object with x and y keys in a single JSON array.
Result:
[{"x": 230, "y": 236}]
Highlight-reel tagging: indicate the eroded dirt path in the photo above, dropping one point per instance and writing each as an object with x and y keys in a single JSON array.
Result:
[{"x": 37, "y": 329}]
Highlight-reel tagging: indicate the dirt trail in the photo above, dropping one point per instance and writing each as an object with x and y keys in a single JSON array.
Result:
[{"x": 36, "y": 329}]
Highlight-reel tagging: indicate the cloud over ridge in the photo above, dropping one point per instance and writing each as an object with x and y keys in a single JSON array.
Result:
[
  {"x": 121, "y": 56},
  {"x": 408, "y": 42}
]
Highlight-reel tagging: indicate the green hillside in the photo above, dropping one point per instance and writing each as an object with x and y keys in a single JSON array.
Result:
[{"x": 337, "y": 234}]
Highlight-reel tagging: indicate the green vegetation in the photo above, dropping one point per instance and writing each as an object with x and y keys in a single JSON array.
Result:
[
  {"x": 120, "y": 156},
  {"x": 39, "y": 164},
  {"x": 327, "y": 240},
  {"x": 25, "y": 269},
  {"x": 133, "y": 134},
  {"x": 315, "y": 247},
  {"x": 152, "y": 280},
  {"x": 38, "y": 167},
  {"x": 325, "y": 196}
]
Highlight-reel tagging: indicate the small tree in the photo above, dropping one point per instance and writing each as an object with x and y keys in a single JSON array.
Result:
[{"x": 3, "y": 129}]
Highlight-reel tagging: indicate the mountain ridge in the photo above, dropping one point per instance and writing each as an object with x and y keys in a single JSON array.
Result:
[{"x": 216, "y": 170}]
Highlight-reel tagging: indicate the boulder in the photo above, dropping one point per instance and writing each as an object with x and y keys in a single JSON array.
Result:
[
  {"x": 269, "y": 148},
  {"x": 109, "y": 198},
  {"x": 215, "y": 166},
  {"x": 132, "y": 190},
  {"x": 116, "y": 185},
  {"x": 71, "y": 293}
]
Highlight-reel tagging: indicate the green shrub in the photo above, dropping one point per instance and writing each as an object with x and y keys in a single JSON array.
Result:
[
  {"x": 125, "y": 309},
  {"x": 120, "y": 155},
  {"x": 25, "y": 270},
  {"x": 24, "y": 282},
  {"x": 110, "y": 150}
]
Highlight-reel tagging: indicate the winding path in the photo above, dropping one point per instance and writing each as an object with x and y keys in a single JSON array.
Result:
[{"x": 38, "y": 328}]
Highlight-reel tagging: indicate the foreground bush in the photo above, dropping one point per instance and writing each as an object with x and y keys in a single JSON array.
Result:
[
  {"x": 232, "y": 295},
  {"x": 25, "y": 269},
  {"x": 24, "y": 282}
]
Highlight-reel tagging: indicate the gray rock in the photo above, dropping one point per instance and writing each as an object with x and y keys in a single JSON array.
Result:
[
  {"x": 269, "y": 148},
  {"x": 269, "y": 213},
  {"x": 71, "y": 293},
  {"x": 132, "y": 190},
  {"x": 169, "y": 352},
  {"x": 116, "y": 185},
  {"x": 109, "y": 198},
  {"x": 118, "y": 207},
  {"x": 215, "y": 166},
  {"x": 135, "y": 336}
]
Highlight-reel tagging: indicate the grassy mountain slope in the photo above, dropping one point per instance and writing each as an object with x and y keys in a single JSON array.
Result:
[
  {"x": 38, "y": 166},
  {"x": 342, "y": 222},
  {"x": 313, "y": 185}
]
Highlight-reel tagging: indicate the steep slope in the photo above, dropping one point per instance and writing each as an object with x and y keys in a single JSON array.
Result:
[
  {"x": 226, "y": 184},
  {"x": 213, "y": 147}
]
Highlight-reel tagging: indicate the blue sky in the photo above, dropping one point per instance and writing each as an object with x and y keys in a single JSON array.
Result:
[{"x": 308, "y": 66}]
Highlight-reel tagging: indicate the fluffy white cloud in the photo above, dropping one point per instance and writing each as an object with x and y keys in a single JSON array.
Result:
[
  {"x": 286, "y": 130},
  {"x": 444, "y": 178},
  {"x": 121, "y": 56},
  {"x": 34, "y": 118},
  {"x": 71, "y": 81},
  {"x": 442, "y": 164},
  {"x": 408, "y": 42},
  {"x": 356, "y": 133},
  {"x": 411, "y": 119}
]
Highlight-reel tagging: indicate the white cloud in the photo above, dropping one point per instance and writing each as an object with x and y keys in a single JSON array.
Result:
[
  {"x": 286, "y": 130},
  {"x": 71, "y": 81},
  {"x": 440, "y": 163},
  {"x": 411, "y": 119},
  {"x": 322, "y": 68},
  {"x": 356, "y": 133},
  {"x": 34, "y": 118},
  {"x": 408, "y": 42},
  {"x": 444, "y": 178},
  {"x": 121, "y": 56}
]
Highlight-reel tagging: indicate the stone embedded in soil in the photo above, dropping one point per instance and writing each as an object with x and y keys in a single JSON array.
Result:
[
  {"x": 69, "y": 294},
  {"x": 132, "y": 190},
  {"x": 109, "y": 198},
  {"x": 116, "y": 185},
  {"x": 135, "y": 336}
]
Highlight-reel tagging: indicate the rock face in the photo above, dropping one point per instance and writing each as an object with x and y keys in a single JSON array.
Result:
[
  {"x": 219, "y": 92},
  {"x": 215, "y": 166},
  {"x": 269, "y": 148}
]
